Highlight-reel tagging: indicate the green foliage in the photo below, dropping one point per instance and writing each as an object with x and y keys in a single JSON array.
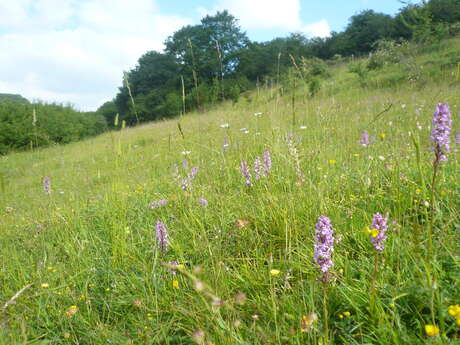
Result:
[
  {"x": 314, "y": 85},
  {"x": 445, "y": 11},
  {"x": 386, "y": 52},
  {"x": 365, "y": 29},
  {"x": 314, "y": 67},
  {"x": 54, "y": 124},
  {"x": 360, "y": 69},
  {"x": 8, "y": 97},
  {"x": 212, "y": 56},
  {"x": 109, "y": 111}
]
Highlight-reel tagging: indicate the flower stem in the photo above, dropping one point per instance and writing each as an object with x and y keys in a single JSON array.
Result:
[
  {"x": 325, "y": 314},
  {"x": 432, "y": 208},
  {"x": 373, "y": 283}
]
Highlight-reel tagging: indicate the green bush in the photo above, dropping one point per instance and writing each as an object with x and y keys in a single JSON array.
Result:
[
  {"x": 360, "y": 69},
  {"x": 53, "y": 123}
]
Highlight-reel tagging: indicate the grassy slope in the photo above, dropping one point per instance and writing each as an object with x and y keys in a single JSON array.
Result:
[{"x": 92, "y": 239}]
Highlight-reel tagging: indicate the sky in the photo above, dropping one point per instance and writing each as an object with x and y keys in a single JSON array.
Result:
[{"x": 75, "y": 51}]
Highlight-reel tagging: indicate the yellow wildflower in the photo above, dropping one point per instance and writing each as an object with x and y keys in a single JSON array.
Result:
[
  {"x": 175, "y": 284},
  {"x": 45, "y": 285},
  {"x": 346, "y": 314},
  {"x": 332, "y": 161},
  {"x": 457, "y": 321},
  {"x": 274, "y": 272},
  {"x": 374, "y": 232},
  {"x": 454, "y": 310},
  {"x": 431, "y": 330},
  {"x": 382, "y": 136}
]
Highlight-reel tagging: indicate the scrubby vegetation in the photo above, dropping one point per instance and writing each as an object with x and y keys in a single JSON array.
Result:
[
  {"x": 26, "y": 126},
  {"x": 201, "y": 229}
]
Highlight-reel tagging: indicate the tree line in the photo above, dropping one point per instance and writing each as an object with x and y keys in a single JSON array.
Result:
[
  {"x": 25, "y": 125},
  {"x": 213, "y": 61}
]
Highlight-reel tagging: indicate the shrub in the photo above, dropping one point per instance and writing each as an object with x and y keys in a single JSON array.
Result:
[{"x": 53, "y": 123}]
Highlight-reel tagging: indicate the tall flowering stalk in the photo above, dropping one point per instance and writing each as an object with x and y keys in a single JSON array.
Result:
[
  {"x": 162, "y": 236},
  {"x": 267, "y": 163},
  {"x": 159, "y": 203},
  {"x": 324, "y": 246},
  {"x": 295, "y": 155},
  {"x": 377, "y": 237},
  {"x": 186, "y": 182},
  {"x": 377, "y": 233},
  {"x": 440, "y": 131},
  {"x": 364, "y": 138},
  {"x": 46, "y": 181},
  {"x": 244, "y": 168},
  {"x": 323, "y": 249},
  {"x": 257, "y": 168}
]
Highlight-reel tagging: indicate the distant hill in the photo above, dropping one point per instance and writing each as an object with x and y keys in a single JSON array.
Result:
[{"x": 9, "y": 97}]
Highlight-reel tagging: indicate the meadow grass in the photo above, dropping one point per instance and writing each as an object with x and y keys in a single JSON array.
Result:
[{"x": 97, "y": 276}]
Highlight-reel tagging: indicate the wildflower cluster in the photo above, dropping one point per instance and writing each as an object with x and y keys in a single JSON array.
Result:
[
  {"x": 441, "y": 127},
  {"x": 324, "y": 246},
  {"x": 454, "y": 310},
  {"x": 185, "y": 182},
  {"x": 246, "y": 173},
  {"x": 159, "y": 203},
  {"x": 259, "y": 169},
  {"x": 431, "y": 330},
  {"x": 364, "y": 139},
  {"x": 377, "y": 233},
  {"x": 162, "y": 236},
  {"x": 46, "y": 181},
  {"x": 295, "y": 156}
]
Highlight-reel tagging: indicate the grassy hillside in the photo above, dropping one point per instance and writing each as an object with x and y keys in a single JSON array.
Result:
[{"x": 93, "y": 272}]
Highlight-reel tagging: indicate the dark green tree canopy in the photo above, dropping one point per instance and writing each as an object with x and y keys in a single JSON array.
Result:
[
  {"x": 214, "y": 60},
  {"x": 445, "y": 11},
  {"x": 365, "y": 29},
  {"x": 204, "y": 46}
]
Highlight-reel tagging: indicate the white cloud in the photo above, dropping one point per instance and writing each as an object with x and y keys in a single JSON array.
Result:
[
  {"x": 264, "y": 14},
  {"x": 270, "y": 14},
  {"x": 317, "y": 29},
  {"x": 76, "y": 50}
]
